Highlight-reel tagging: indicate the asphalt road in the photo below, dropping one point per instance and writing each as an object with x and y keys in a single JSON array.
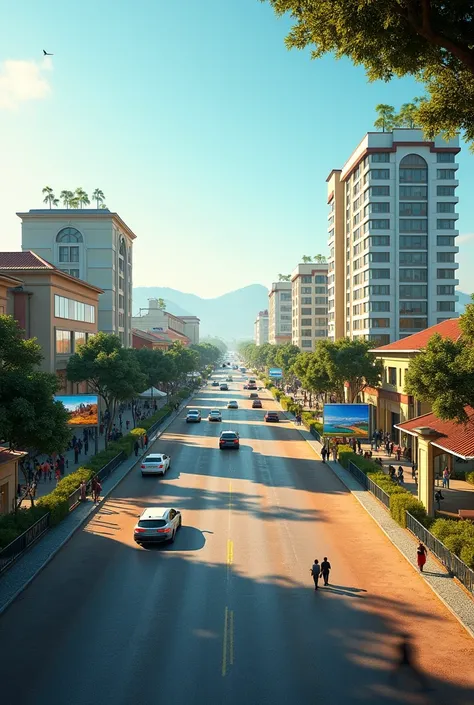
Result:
[{"x": 228, "y": 613}]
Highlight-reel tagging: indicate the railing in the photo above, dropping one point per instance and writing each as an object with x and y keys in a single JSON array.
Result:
[
  {"x": 454, "y": 564},
  {"x": 315, "y": 433},
  {"x": 366, "y": 482},
  {"x": 16, "y": 548},
  {"x": 157, "y": 424}
]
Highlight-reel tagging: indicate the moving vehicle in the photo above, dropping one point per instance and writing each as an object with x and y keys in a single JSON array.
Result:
[
  {"x": 193, "y": 416},
  {"x": 224, "y": 387},
  {"x": 243, "y": 370},
  {"x": 155, "y": 464},
  {"x": 271, "y": 416},
  {"x": 232, "y": 404},
  {"x": 156, "y": 525},
  {"x": 253, "y": 395},
  {"x": 214, "y": 415},
  {"x": 230, "y": 378},
  {"x": 246, "y": 386},
  {"x": 229, "y": 439},
  {"x": 215, "y": 383},
  {"x": 251, "y": 385},
  {"x": 256, "y": 404}
]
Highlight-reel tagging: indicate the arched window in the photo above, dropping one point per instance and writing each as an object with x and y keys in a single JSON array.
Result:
[
  {"x": 122, "y": 248},
  {"x": 69, "y": 235},
  {"x": 413, "y": 170},
  {"x": 413, "y": 160}
]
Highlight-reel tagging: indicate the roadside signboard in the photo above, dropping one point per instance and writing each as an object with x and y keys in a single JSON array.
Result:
[
  {"x": 83, "y": 409},
  {"x": 275, "y": 372},
  {"x": 350, "y": 420}
]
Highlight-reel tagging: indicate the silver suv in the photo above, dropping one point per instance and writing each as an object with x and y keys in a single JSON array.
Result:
[{"x": 157, "y": 525}]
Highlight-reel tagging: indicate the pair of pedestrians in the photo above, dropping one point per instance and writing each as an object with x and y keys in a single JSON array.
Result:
[{"x": 318, "y": 570}]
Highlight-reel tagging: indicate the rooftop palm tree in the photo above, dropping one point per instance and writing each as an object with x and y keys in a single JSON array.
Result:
[
  {"x": 306, "y": 259},
  {"x": 386, "y": 117},
  {"x": 320, "y": 259},
  {"x": 66, "y": 197},
  {"x": 49, "y": 196},
  {"x": 81, "y": 196},
  {"x": 98, "y": 197}
]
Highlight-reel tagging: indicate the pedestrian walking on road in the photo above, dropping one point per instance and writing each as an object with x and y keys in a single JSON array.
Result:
[
  {"x": 405, "y": 663},
  {"x": 324, "y": 453},
  {"x": 325, "y": 568},
  {"x": 421, "y": 556},
  {"x": 399, "y": 453},
  {"x": 315, "y": 572},
  {"x": 136, "y": 448}
]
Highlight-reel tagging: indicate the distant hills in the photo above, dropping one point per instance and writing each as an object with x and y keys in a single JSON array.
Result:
[
  {"x": 229, "y": 316},
  {"x": 464, "y": 299}
]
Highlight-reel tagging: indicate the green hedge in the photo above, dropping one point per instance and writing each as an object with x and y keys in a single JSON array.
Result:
[
  {"x": 456, "y": 535},
  {"x": 401, "y": 502},
  {"x": 469, "y": 477}
]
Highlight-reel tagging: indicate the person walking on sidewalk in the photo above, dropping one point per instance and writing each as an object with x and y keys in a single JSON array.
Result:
[
  {"x": 315, "y": 572},
  {"x": 145, "y": 440},
  {"x": 325, "y": 568},
  {"x": 446, "y": 478},
  {"x": 421, "y": 556},
  {"x": 324, "y": 454},
  {"x": 400, "y": 475},
  {"x": 136, "y": 448}
]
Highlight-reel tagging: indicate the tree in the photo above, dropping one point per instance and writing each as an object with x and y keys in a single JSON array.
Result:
[
  {"x": 208, "y": 354},
  {"x": 216, "y": 342},
  {"x": 443, "y": 373},
  {"x": 284, "y": 277},
  {"x": 386, "y": 120},
  {"x": 285, "y": 356},
  {"x": 430, "y": 40},
  {"x": 162, "y": 304},
  {"x": 185, "y": 361},
  {"x": 349, "y": 362},
  {"x": 305, "y": 259},
  {"x": 80, "y": 197},
  {"x": 66, "y": 197},
  {"x": 408, "y": 115},
  {"x": 49, "y": 196},
  {"x": 310, "y": 370},
  {"x": 98, "y": 197},
  {"x": 320, "y": 259},
  {"x": 111, "y": 371}
]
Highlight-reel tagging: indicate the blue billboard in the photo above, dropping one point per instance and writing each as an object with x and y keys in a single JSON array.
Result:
[
  {"x": 346, "y": 420},
  {"x": 275, "y": 372}
]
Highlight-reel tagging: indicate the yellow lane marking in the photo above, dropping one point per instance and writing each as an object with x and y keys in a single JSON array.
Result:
[
  {"x": 228, "y": 641},
  {"x": 231, "y": 638},
  {"x": 224, "y": 643},
  {"x": 230, "y": 552}
]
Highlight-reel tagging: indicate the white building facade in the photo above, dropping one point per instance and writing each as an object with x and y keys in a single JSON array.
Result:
[
  {"x": 279, "y": 313},
  {"x": 392, "y": 262},
  {"x": 261, "y": 328},
  {"x": 93, "y": 245},
  {"x": 309, "y": 297},
  {"x": 157, "y": 320}
]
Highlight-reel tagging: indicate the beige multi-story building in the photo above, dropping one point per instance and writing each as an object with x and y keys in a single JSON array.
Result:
[
  {"x": 93, "y": 245},
  {"x": 279, "y": 313},
  {"x": 261, "y": 328},
  {"x": 309, "y": 299},
  {"x": 157, "y": 320},
  {"x": 57, "y": 309},
  {"x": 392, "y": 236}
]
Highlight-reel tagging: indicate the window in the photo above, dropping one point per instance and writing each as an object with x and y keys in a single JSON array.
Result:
[
  {"x": 445, "y": 257},
  {"x": 379, "y": 290},
  {"x": 320, "y": 322},
  {"x": 409, "y": 225},
  {"x": 73, "y": 310},
  {"x": 446, "y": 240},
  {"x": 446, "y": 190},
  {"x": 71, "y": 272},
  {"x": 413, "y": 258},
  {"x": 445, "y": 306},
  {"x": 306, "y": 279},
  {"x": 319, "y": 333},
  {"x": 380, "y": 224},
  {"x": 306, "y": 300},
  {"x": 63, "y": 342},
  {"x": 412, "y": 208},
  {"x": 306, "y": 322},
  {"x": 445, "y": 273},
  {"x": 413, "y": 292},
  {"x": 445, "y": 224},
  {"x": 285, "y": 317},
  {"x": 380, "y": 306},
  {"x": 379, "y": 273},
  {"x": 379, "y": 256},
  {"x": 306, "y": 312},
  {"x": 443, "y": 207},
  {"x": 69, "y": 235},
  {"x": 320, "y": 289},
  {"x": 306, "y": 333},
  {"x": 321, "y": 300},
  {"x": 320, "y": 279},
  {"x": 413, "y": 323},
  {"x": 379, "y": 241},
  {"x": 306, "y": 343},
  {"x": 356, "y": 219},
  {"x": 413, "y": 275},
  {"x": 285, "y": 296},
  {"x": 446, "y": 157},
  {"x": 380, "y": 207},
  {"x": 445, "y": 290},
  {"x": 379, "y": 191},
  {"x": 79, "y": 339},
  {"x": 416, "y": 176},
  {"x": 392, "y": 376},
  {"x": 68, "y": 254},
  {"x": 306, "y": 290},
  {"x": 379, "y": 323},
  {"x": 413, "y": 307},
  {"x": 284, "y": 308},
  {"x": 380, "y": 157},
  {"x": 320, "y": 311},
  {"x": 412, "y": 192},
  {"x": 413, "y": 242},
  {"x": 446, "y": 174},
  {"x": 380, "y": 174}
]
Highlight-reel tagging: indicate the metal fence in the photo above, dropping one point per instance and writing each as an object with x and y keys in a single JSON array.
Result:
[
  {"x": 366, "y": 482},
  {"x": 454, "y": 565},
  {"x": 152, "y": 430},
  {"x": 16, "y": 548}
]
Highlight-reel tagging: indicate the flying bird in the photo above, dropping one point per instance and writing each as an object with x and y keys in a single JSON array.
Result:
[{"x": 46, "y": 53}]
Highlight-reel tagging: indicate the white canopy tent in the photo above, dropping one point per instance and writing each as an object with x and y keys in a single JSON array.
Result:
[{"x": 152, "y": 393}]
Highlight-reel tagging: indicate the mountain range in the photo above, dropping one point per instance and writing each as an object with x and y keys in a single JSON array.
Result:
[{"x": 229, "y": 316}]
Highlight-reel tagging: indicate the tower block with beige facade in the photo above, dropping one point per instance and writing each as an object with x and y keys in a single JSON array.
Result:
[
  {"x": 93, "y": 245},
  {"x": 309, "y": 299},
  {"x": 279, "y": 313}
]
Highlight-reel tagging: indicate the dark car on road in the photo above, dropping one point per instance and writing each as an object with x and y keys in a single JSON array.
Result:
[
  {"x": 229, "y": 439},
  {"x": 215, "y": 383},
  {"x": 256, "y": 404},
  {"x": 253, "y": 395},
  {"x": 224, "y": 387},
  {"x": 271, "y": 416}
]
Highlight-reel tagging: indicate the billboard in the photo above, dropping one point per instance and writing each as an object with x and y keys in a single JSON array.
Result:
[
  {"x": 82, "y": 409},
  {"x": 346, "y": 420},
  {"x": 275, "y": 372}
]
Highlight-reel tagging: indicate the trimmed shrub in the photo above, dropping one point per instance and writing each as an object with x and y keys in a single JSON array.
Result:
[
  {"x": 402, "y": 502},
  {"x": 455, "y": 543},
  {"x": 467, "y": 553},
  {"x": 469, "y": 477},
  {"x": 56, "y": 504},
  {"x": 345, "y": 454},
  {"x": 442, "y": 528}
]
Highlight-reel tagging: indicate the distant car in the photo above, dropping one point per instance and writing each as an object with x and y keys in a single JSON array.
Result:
[
  {"x": 215, "y": 383},
  {"x": 256, "y": 404},
  {"x": 230, "y": 378},
  {"x": 232, "y": 405},
  {"x": 235, "y": 367},
  {"x": 271, "y": 416},
  {"x": 224, "y": 387},
  {"x": 229, "y": 439},
  {"x": 251, "y": 386},
  {"x": 156, "y": 525},
  {"x": 193, "y": 416},
  {"x": 214, "y": 415},
  {"x": 246, "y": 386},
  {"x": 155, "y": 464},
  {"x": 253, "y": 395}
]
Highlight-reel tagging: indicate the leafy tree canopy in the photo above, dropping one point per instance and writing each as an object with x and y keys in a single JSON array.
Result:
[
  {"x": 208, "y": 354},
  {"x": 217, "y": 342},
  {"x": 349, "y": 361},
  {"x": 432, "y": 40}
]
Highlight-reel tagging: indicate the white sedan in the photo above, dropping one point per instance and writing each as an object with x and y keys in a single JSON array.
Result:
[{"x": 155, "y": 464}]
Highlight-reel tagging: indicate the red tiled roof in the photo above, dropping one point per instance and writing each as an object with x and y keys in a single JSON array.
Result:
[
  {"x": 174, "y": 335},
  {"x": 453, "y": 437},
  {"x": 23, "y": 260},
  {"x": 417, "y": 341}
]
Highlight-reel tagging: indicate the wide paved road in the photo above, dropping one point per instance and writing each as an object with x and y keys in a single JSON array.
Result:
[{"x": 227, "y": 614}]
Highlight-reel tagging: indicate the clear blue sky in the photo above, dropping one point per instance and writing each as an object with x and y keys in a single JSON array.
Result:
[{"x": 206, "y": 134}]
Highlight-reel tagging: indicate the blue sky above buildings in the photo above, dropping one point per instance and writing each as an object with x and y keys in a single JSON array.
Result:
[{"x": 206, "y": 134}]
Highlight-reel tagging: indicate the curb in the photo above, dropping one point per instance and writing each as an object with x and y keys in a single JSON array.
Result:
[{"x": 87, "y": 516}]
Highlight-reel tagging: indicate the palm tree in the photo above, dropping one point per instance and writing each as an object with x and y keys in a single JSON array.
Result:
[
  {"x": 49, "y": 196},
  {"x": 320, "y": 259},
  {"x": 98, "y": 197},
  {"x": 74, "y": 202},
  {"x": 66, "y": 197},
  {"x": 306, "y": 259},
  {"x": 104, "y": 207},
  {"x": 55, "y": 202},
  {"x": 386, "y": 117},
  {"x": 284, "y": 277},
  {"x": 407, "y": 117},
  {"x": 81, "y": 196}
]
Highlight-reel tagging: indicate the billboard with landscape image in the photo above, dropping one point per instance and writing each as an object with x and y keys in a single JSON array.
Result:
[
  {"x": 346, "y": 420},
  {"x": 82, "y": 409}
]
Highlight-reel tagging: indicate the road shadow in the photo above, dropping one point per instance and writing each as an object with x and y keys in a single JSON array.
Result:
[{"x": 188, "y": 538}]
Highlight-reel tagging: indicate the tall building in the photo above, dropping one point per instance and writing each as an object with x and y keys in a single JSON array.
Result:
[
  {"x": 184, "y": 329},
  {"x": 309, "y": 298},
  {"x": 261, "y": 328},
  {"x": 279, "y": 313},
  {"x": 93, "y": 245},
  {"x": 392, "y": 236}
]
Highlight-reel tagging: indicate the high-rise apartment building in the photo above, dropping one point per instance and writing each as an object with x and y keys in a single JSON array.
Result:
[
  {"x": 261, "y": 328},
  {"x": 279, "y": 313},
  {"x": 309, "y": 299},
  {"x": 93, "y": 245},
  {"x": 392, "y": 236}
]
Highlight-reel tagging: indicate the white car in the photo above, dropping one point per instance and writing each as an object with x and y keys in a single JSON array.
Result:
[
  {"x": 232, "y": 405},
  {"x": 155, "y": 464},
  {"x": 214, "y": 415},
  {"x": 156, "y": 525}
]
